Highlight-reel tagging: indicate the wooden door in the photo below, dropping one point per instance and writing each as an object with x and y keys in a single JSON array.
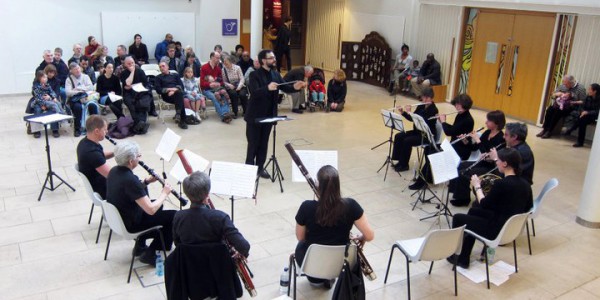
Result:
[{"x": 510, "y": 61}]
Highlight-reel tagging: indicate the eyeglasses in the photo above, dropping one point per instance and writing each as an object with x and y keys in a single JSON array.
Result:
[{"x": 270, "y": 57}]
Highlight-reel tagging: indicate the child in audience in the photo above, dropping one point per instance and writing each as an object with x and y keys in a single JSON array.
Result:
[
  {"x": 45, "y": 99},
  {"x": 192, "y": 94},
  {"x": 219, "y": 91},
  {"x": 409, "y": 73},
  {"x": 53, "y": 81},
  {"x": 317, "y": 92}
]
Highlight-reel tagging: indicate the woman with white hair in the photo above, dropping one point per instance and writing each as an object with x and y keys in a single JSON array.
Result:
[{"x": 129, "y": 195}]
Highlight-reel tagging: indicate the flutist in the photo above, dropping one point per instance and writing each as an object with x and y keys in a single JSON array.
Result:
[
  {"x": 328, "y": 221},
  {"x": 91, "y": 157},
  {"x": 404, "y": 141},
  {"x": 129, "y": 195},
  {"x": 493, "y": 137}
]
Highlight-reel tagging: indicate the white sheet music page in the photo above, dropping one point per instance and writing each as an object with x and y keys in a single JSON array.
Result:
[
  {"x": 49, "y": 119},
  {"x": 397, "y": 119},
  {"x": 139, "y": 87},
  {"x": 447, "y": 147},
  {"x": 387, "y": 121},
  {"x": 168, "y": 144},
  {"x": 233, "y": 179},
  {"x": 114, "y": 97},
  {"x": 443, "y": 167},
  {"x": 313, "y": 160},
  {"x": 197, "y": 162}
]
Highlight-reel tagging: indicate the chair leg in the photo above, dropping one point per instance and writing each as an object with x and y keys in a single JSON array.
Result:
[
  {"x": 455, "y": 279},
  {"x": 91, "y": 212},
  {"x": 291, "y": 264},
  {"x": 132, "y": 259},
  {"x": 99, "y": 228},
  {"x": 533, "y": 227},
  {"x": 487, "y": 270},
  {"x": 389, "y": 263},
  {"x": 430, "y": 267},
  {"x": 408, "y": 276},
  {"x": 295, "y": 275},
  {"x": 107, "y": 244},
  {"x": 528, "y": 237},
  {"x": 162, "y": 242},
  {"x": 515, "y": 252}
]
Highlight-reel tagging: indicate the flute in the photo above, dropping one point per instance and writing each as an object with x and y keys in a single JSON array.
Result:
[
  {"x": 482, "y": 157},
  {"x": 411, "y": 105},
  {"x": 465, "y": 136},
  {"x": 437, "y": 116}
]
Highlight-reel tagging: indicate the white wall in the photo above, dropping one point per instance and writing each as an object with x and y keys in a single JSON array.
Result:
[{"x": 28, "y": 27}]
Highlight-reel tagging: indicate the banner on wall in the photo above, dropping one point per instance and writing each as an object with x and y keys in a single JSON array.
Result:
[{"x": 230, "y": 27}]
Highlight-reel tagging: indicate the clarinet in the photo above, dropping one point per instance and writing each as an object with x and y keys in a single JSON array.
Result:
[
  {"x": 364, "y": 263},
  {"x": 182, "y": 200},
  {"x": 108, "y": 138}
]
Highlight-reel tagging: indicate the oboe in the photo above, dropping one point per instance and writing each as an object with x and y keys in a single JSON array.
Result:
[
  {"x": 182, "y": 200},
  {"x": 364, "y": 263}
]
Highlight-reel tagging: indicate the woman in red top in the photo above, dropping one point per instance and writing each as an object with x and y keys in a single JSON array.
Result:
[{"x": 92, "y": 46}]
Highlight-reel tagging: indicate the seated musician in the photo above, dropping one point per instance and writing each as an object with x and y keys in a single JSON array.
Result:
[
  {"x": 91, "y": 157},
  {"x": 463, "y": 124},
  {"x": 491, "y": 138},
  {"x": 328, "y": 221},
  {"x": 129, "y": 195},
  {"x": 200, "y": 224},
  {"x": 509, "y": 196},
  {"x": 514, "y": 136},
  {"x": 404, "y": 141}
]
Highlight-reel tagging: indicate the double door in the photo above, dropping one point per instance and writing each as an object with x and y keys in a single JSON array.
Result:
[{"x": 510, "y": 59}]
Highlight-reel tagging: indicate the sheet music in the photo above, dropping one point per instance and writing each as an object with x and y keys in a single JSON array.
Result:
[
  {"x": 49, "y": 119},
  {"x": 189, "y": 112},
  {"x": 447, "y": 147},
  {"x": 139, "y": 87},
  {"x": 313, "y": 160},
  {"x": 397, "y": 119},
  {"x": 421, "y": 125},
  {"x": 443, "y": 167},
  {"x": 387, "y": 121},
  {"x": 197, "y": 162},
  {"x": 114, "y": 97},
  {"x": 168, "y": 144},
  {"x": 233, "y": 179},
  {"x": 275, "y": 119}
]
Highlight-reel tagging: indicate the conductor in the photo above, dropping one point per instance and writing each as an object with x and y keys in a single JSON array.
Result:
[{"x": 264, "y": 84}]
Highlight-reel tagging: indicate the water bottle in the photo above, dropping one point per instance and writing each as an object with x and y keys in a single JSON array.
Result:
[
  {"x": 284, "y": 281},
  {"x": 490, "y": 254},
  {"x": 160, "y": 267}
]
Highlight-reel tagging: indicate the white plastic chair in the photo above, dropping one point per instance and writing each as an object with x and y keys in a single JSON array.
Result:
[
  {"x": 321, "y": 261},
  {"x": 95, "y": 197},
  {"x": 537, "y": 203},
  {"x": 436, "y": 245},
  {"x": 113, "y": 218},
  {"x": 150, "y": 69},
  {"x": 509, "y": 233}
]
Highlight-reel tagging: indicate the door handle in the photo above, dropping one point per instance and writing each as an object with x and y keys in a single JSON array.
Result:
[
  {"x": 500, "y": 76},
  {"x": 513, "y": 70}
]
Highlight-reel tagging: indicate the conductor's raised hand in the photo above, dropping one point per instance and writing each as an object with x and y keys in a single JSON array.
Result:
[{"x": 272, "y": 86}]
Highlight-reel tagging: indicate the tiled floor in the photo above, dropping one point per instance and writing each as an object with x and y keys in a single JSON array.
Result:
[{"x": 47, "y": 249}]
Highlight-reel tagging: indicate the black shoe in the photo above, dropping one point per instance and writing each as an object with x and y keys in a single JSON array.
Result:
[
  {"x": 541, "y": 133},
  {"x": 452, "y": 258},
  {"x": 297, "y": 111},
  {"x": 182, "y": 125},
  {"x": 55, "y": 133},
  {"x": 190, "y": 120},
  {"x": 37, "y": 135},
  {"x": 76, "y": 132},
  {"x": 419, "y": 184},
  {"x": 568, "y": 132},
  {"x": 459, "y": 202},
  {"x": 264, "y": 174},
  {"x": 399, "y": 168},
  {"x": 148, "y": 257},
  {"x": 577, "y": 145},
  {"x": 140, "y": 249},
  {"x": 547, "y": 135},
  {"x": 302, "y": 107},
  {"x": 153, "y": 113}
]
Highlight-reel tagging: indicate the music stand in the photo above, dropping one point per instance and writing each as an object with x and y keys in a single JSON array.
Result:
[
  {"x": 386, "y": 141},
  {"x": 276, "y": 170},
  {"x": 233, "y": 179},
  {"x": 46, "y": 120},
  {"x": 394, "y": 122},
  {"x": 443, "y": 168},
  {"x": 421, "y": 125}
]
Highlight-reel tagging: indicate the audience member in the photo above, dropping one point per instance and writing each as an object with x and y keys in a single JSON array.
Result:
[
  {"x": 403, "y": 60},
  {"x": 48, "y": 59},
  {"x": 92, "y": 46},
  {"x": 269, "y": 37},
  {"x": 161, "y": 48},
  {"x": 84, "y": 63},
  {"x": 50, "y": 71},
  {"x": 245, "y": 62},
  {"x": 336, "y": 91},
  {"x": 76, "y": 54},
  {"x": 328, "y": 220},
  {"x": 317, "y": 92},
  {"x": 129, "y": 195},
  {"x": 568, "y": 92},
  {"x": 192, "y": 62},
  {"x": 233, "y": 80},
  {"x": 131, "y": 75},
  {"x": 212, "y": 69},
  {"x": 121, "y": 54},
  {"x": 282, "y": 44},
  {"x": 138, "y": 50},
  {"x": 91, "y": 157},
  {"x": 62, "y": 70},
  {"x": 236, "y": 55},
  {"x": 45, "y": 100},
  {"x": 408, "y": 74},
  {"x": 298, "y": 74},
  {"x": 430, "y": 75},
  {"x": 254, "y": 67},
  {"x": 108, "y": 83},
  {"x": 192, "y": 95},
  {"x": 170, "y": 59},
  {"x": 587, "y": 115},
  {"x": 77, "y": 87},
  {"x": 170, "y": 87},
  {"x": 179, "y": 52},
  {"x": 100, "y": 57}
]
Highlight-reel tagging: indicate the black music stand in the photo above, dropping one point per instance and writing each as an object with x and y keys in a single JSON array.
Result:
[
  {"x": 276, "y": 170},
  {"x": 46, "y": 120},
  {"x": 232, "y": 179},
  {"x": 444, "y": 169},
  {"x": 426, "y": 135},
  {"x": 386, "y": 141},
  {"x": 394, "y": 122}
]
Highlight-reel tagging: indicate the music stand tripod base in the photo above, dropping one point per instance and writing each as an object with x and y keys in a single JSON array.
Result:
[{"x": 276, "y": 173}]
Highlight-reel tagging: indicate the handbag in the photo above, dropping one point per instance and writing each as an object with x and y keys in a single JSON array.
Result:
[
  {"x": 142, "y": 101},
  {"x": 350, "y": 284}
]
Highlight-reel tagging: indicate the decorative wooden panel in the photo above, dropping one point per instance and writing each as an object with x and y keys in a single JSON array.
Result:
[{"x": 368, "y": 61}]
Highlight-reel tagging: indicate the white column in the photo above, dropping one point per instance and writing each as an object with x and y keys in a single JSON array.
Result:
[
  {"x": 588, "y": 214},
  {"x": 256, "y": 26}
]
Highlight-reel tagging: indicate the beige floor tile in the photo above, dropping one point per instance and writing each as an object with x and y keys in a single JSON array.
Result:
[
  {"x": 578, "y": 294},
  {"x": 25, "y": 232},
  {"x": 50, "y": 247},
  {"x": 14, "y": 217},
  {"x": 150, "y": 293},
  {"x": 10, "y": 255},
  {"x": 593, "y": 287},
  {"x": 95, "y": 289},
  {"x": 59, "y": 210}
]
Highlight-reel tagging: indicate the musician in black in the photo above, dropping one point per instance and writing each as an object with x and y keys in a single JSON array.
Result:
[
  {"x": 328, "y": 221},
  {"x": 514, "y": 136},
  {"x": 404, "y": 141},
  {"x": 91, "y": 157},
  {"x": 129, "y": 195},
  {"x": 200, "y": 224},
  {"x": 491, "y": 138},
  {"x": 509, "y": 196},
  {"x": 263, "y": 86}
]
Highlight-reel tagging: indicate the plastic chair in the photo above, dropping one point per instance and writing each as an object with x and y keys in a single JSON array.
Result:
[
  {"x": 509, "y": 233},
  {"x": 436, "y": 245},
  {"x": 150, "y": 69},
  {"x": 113, "y": 218},
  {"x": 537, "y": 203},
  {"x": 95, "y": 197},
  {"x": 321, "y": 261}
]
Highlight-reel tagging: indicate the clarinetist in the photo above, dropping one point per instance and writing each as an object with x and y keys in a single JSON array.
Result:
[
  {"x": 129, "y": 195},
  {"x": 328, "y": 221},
  {"x": 91, "y": 157},
  {"x": 491, "y": 138}
]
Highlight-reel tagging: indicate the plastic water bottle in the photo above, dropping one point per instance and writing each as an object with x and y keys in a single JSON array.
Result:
[
  {"x": 490, "y": 254},
  {"x": 284, "y": 281},
  {"x": 160, "y": 267}
]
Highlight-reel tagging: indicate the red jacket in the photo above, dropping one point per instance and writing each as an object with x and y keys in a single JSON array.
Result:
[
  {"x": 214, "y": 72},
  {"x": 317, "y": 86}
]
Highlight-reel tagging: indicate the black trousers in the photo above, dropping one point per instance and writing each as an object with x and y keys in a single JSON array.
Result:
[
  {"x": 116, "y": 107},
  {"x": 77, "y": 109},
  {"x": 136, "y": 115},
  {"x": 161, "y": 217},
  {"x": 461, "y": 185},
  {"x": 279, "y": 53},
  {"x": 258, "y": 143},
  {"x": 177, "y": 99},
  {"x": 403, "y": 143},
  {"x": 478, "y": 221},
  {"x": 553, "y": 115},
  {"x": 581, "y": 124},
  {"x": 235, "y": 101}
]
